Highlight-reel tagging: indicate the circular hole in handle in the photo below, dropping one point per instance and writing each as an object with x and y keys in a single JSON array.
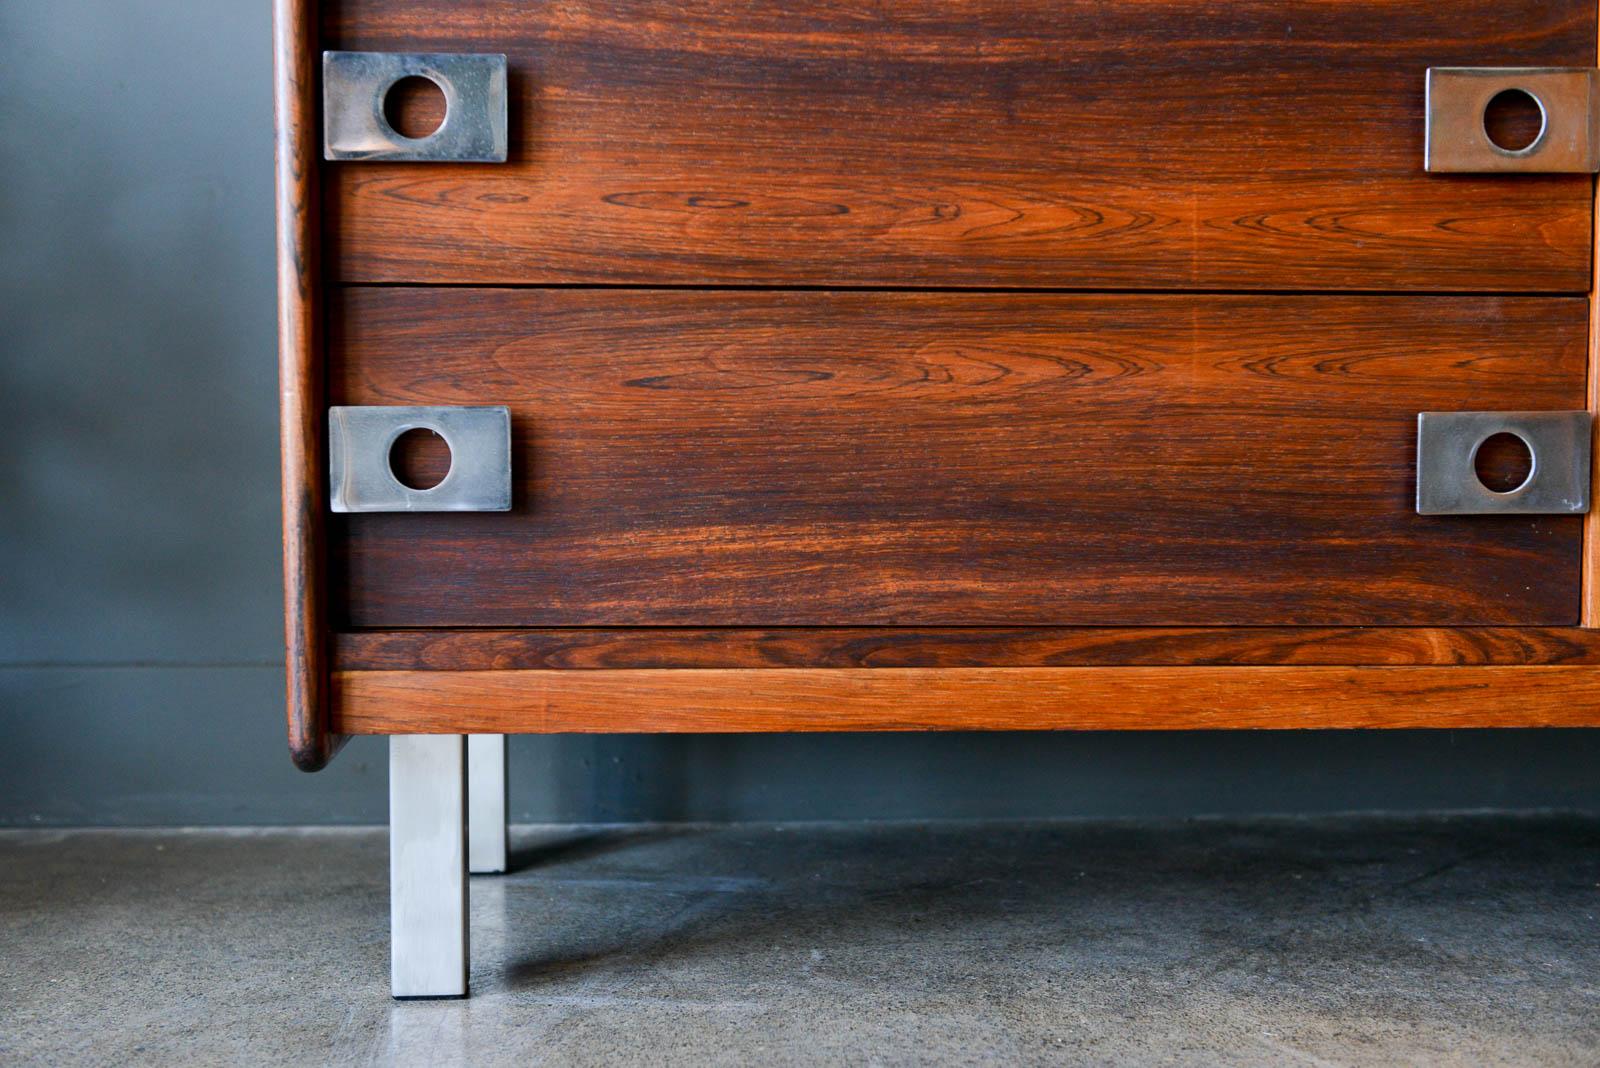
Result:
[
  {"x": 419, "y": 459},
  {"x": 1503, "y": 463},
  {"x": 1514, "y": 120},
  {"x": 415, "y": 107}
]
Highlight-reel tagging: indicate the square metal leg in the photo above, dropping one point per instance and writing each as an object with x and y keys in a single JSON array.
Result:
[
  {"x": 428, "y": 866},
  {"x": 486, "y": 803}
]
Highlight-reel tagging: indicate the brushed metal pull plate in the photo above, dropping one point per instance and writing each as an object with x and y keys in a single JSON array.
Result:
[
  {"x": 1457, "y": 137},
  {"x": 1447, "y": 451},
  {"x": 360, "y": 478},
  {"x": 355, "y": 85}
]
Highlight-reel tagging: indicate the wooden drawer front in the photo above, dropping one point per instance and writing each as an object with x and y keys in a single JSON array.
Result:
[
  {"x": 1018, "y": 143},
  {"x": 812, "y": 458}
]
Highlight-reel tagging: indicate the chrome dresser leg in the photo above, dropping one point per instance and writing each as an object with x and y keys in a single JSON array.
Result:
[
  {"x": 428, "y": 865},
  {"x": 486, "y": 803}
]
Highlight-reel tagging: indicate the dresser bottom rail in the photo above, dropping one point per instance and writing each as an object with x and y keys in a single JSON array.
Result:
[{"x": 711, "y": 700}]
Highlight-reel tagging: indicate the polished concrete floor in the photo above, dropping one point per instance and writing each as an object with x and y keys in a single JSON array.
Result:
[{"x": 1466, "y": 940}]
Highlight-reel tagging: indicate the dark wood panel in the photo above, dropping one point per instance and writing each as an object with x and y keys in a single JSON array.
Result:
[
  {"x": 591, "y": 648},
  {"x": 761, "y": 459},
  {"x": 885, "y": 647},
  {"x": 904, "y": 699},
  {"x": 1273, "y": 144},
  {"x": 300, "y": 376}
]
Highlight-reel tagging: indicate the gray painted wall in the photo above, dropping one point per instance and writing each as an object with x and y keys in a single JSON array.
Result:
[{"x": 139, "y": 596}]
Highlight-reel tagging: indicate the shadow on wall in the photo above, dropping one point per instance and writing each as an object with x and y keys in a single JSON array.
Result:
[{"x": 1043, "y": 775}]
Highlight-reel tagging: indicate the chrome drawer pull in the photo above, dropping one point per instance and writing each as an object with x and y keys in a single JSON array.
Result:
[
  {"x": 1558, "y": 449},
  {"x": 1561, "y": 139},
  {"x": 355, "y": 86},
  {"x": 361, "y": 477}
]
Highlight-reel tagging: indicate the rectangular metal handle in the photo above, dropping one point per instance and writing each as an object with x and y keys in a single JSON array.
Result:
[
  {"x": 361, "y": 478},
  {"x": 1557, "y": 483},
  {"x": 1459, "y": 101},
  {"x": 355, "y": 86}
]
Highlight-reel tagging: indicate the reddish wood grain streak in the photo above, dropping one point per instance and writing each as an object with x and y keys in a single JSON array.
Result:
[
  {"x": 903, "y": 699},
  {"x": 300, "y": 372},
  {"x": 1250, "y": 144},
  {"x": 1591, "y": 522},
  {"x": 586, "y": 649},
  {"x": 824, "y": 459}
]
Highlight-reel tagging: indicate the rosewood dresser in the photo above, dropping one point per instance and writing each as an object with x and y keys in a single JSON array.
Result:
[{"x": 943, "y": 364}]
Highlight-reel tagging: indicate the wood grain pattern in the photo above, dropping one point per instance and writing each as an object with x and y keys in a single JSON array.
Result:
[
  {"x": 300, "y": 378},
  {"x": 589, "y": 649},
  {"x": 1591, "y": 522},
  {"x": 901, "y": 699},
  {"x": 824, "y": 459},
  {"x": 1258, "y": 144}
]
